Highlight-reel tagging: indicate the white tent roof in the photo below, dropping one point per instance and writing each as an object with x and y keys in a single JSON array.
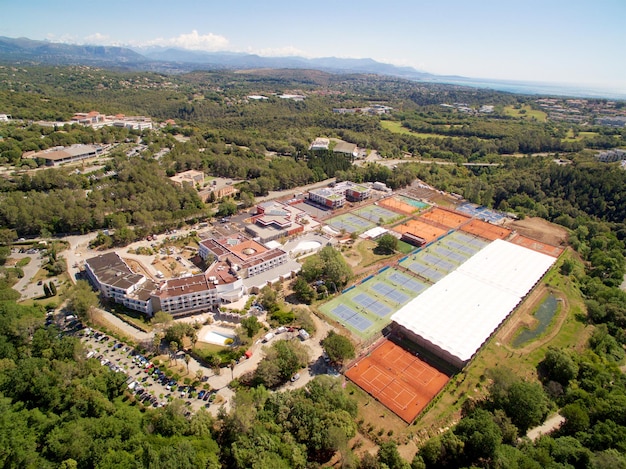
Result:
[
  {"x": 273, "y": 245},
  {"x": 461, "y": 311},
  {"x": 374, "y": 233}
]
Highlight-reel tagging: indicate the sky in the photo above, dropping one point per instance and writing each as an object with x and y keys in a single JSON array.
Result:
[{"x": 552, "y": 41}]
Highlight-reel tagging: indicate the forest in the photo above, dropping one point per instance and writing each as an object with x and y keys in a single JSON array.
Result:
[{"x": 62, "y": 410}]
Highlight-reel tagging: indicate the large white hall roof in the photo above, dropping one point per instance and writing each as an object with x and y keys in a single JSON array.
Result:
[{"x": 461, "y": 311}]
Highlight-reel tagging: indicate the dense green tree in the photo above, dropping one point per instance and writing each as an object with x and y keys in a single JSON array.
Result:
[
  {"x": 251, "y": 325},
  {"x": 328, "y": 265},
  {"x": 226, "y": 208},
  {"x": 480, "y": 435},
  {"x": 82, "y": 299},
  {"x": 524, "y": 402},
  {"x": 389, "y": 456},
  {"x": 387, "y": 243},
  {"x": 337, "y": 347},
  {"x": 303, "y": 290},
  {"x": 161, "y": 317},
  {"x": 559, "y": 366},
  {"x": 178, "y": 331},
  {"x": 282, "y": 360}
]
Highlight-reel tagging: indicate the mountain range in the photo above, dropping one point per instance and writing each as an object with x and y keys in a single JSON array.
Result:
[{"x": 172, "y": 60}]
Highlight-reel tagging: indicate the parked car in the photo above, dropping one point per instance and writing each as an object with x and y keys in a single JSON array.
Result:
[{"x": 201, "y": 394}]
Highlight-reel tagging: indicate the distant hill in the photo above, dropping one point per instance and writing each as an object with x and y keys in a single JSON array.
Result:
[
  {"x": 239, "y": 61},
  {"x": 23, "y": 49},
  {"x": 173, "y": 60}
]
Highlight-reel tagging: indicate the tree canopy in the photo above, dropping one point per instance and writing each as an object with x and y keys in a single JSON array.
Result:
[{"x": 337, "y": 347}]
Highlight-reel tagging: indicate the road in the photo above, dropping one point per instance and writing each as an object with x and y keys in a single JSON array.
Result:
[
  {"x": 393, "y": 162},
  {"x": 549, "y": 425}
]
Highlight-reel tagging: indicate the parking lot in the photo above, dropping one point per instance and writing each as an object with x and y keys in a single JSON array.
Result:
[
  {"x": 152, "y": 388},
  {"x": 149, "y": 385}
]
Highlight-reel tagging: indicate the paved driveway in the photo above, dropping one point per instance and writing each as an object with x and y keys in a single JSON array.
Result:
[{"x": 27, "y": 287}]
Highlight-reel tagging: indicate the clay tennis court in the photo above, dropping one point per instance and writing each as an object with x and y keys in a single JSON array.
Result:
[
  {"x": 398, "y": 206},
  {"x": 538, "y": 246},
  {"x": 400, "y": 381},
  {"x": 485, "y": 230},
  {"x": 446, "y": 218},
  {"x": 423, "y": 230}
]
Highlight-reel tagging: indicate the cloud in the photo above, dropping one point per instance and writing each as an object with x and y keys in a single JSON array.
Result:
[
  {"x": 97, "y": 38},
  {"x": 64, "y": 38},
  {"x": 287, "y": 51},
  {"x": 192, "y": 41}
]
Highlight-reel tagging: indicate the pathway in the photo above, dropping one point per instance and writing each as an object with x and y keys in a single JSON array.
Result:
[{"x": 548, "y": 426}]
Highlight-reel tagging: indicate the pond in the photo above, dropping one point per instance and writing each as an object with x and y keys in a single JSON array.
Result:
[{"x": 543, "y": 315}]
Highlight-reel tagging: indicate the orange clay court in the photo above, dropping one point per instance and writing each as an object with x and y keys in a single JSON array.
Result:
[
  {"x": 537, "y": 246},
  {"x": 400, "y": 381},
  {"x": 485, "y": 230},
  {"x": 398, "y": 206},
  {"x": 445, "y": 217},
  {"x": 423, "y": 230}
]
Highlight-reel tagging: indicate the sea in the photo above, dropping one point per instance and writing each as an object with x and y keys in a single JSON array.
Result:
[{"x": 537, "y": 88}]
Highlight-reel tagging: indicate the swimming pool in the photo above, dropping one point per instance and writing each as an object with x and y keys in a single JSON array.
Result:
[{"x": 217, "y": 338}]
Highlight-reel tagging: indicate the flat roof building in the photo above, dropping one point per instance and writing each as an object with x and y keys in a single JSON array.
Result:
[
  {"x": 320, "y": 143},
  {"x": 191, "y": 177},
  {"x": 60, "y": 155},
  {"x": 327, "y": 197},
  {"x": 245, "y": 256},
  {"x": 346, "y": 148},
  {"x": 115, "y": 281},
  {"x": 275, "y": 220}
]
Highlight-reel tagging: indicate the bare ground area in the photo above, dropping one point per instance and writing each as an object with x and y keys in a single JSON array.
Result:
[
  {"x": 137, "y": 266},
  {"x": 169, "y": 266},
  {"x": 539, "y": 229}
]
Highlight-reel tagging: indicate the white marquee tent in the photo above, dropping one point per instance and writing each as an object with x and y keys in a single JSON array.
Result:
[{"x": 454, "y": 317}]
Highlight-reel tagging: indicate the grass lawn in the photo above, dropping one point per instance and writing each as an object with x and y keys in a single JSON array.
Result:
[
  {"x": 23, "y": 262},
  {"x": 397, "y": 128},
  {"x": 134, "y": 318},
  {"x": 525, "y": 112},
  {"x": 405, "y": 248},
  {"x": 366, "y": 248},
  {"x": 572, "y": 138}
]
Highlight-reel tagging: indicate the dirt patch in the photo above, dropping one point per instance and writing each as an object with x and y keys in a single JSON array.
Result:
[
  {"x": 137, "y": 267},
  {"x": 540, "y": 229},
  {"x": 169, "y": 266}
]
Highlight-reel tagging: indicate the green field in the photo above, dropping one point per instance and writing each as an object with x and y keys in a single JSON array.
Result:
[
  {"x": 525, "y": 112},
  {"x": 397, "y": 128},
  {"x": 575, "y": 138}
]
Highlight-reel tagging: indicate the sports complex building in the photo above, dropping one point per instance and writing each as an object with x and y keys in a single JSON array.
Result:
[
  {"x": 436, "y": 307},
  {"x": 454, "y": 317}
]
